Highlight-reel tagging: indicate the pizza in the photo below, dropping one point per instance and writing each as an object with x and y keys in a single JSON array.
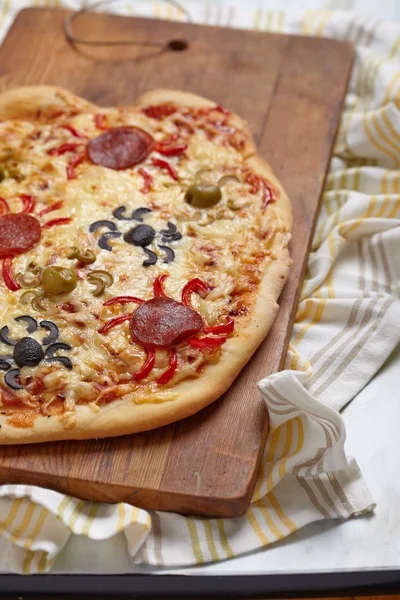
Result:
[{"x": 142, "y": 251}]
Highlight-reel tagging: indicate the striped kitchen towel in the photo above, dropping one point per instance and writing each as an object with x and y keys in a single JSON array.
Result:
[{"x": 347, "y": 323}]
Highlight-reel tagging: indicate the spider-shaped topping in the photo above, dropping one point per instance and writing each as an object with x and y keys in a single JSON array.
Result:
[
  {"x": 141, "y": 235},
  {"x": 28, "y": 352},
  {"x": 163, "y": 323},
  {"x": 19, "y": 232}
]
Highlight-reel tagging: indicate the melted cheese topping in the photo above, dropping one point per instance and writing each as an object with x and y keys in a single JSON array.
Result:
[{"x": 226, "y": 246}]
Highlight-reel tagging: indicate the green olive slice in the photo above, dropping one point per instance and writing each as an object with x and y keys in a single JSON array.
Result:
[
  {"x": 37, "y": 302},
  {"x": 27, "y": 280},
  {"x": 58, "y": 280},
  {"x": 105, "y": 275},
  {"x": 34, "y": 268},
  {"x": 205, "y": 177},
  {"x": 101, "y": 280},
  {"x": 84, "y": 256},
  {"x": 228, "y": 179},
  {"x": 207, "y": 219},
  {"x": 27, "y": 297},
  {"x": 203, "y": 196},
  {"x": 99, "y": 285}
]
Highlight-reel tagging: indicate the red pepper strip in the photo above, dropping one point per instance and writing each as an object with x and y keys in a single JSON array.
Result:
[
  {"x": 36, "y": 386},
  {"x": 9, "y": 400},
  {"x": 256, "y": 183},
  {"x": 194, "y": 285},
  {"x": 147, "y": 181},
  {"x": 123, "y": 300},
  {"x": 28, "y": 202},
  {"x": 74, "y": 132},
  {"x": 159, "y": 111},
  {"x": 61, "y": 221},
  {"x": 55, "y": 206},
  {"x": 99, "y": 121},
  {"x": 169, "y": 139},
  {"x": 108, "y": 397},
  {"x": 224, "y": 128},
  {"x": 222, "y": 109},
  {"x": 8, "y": 277},
  {"x": 167, "y": 150},
  {"x": 4, "y": 208},
  {"x": 56, "y": 113},
  {"x": 163, "y": 164},
  {"x": 207, "y": 342},
  {"x": 269, "y": 194},
  {"x": 237, "y": 140},
  {"x": 68, "y": 307},
  {"x": 226, "y": 328},
  {"x": 74, "y": 163},
  {"x": 113, "y": 322},
  {"x": 63, "y": 149},
  {"x": 173, "y": 363},
  {"x": 158, "y": 286},
  {"x": 147, "y": 366}
]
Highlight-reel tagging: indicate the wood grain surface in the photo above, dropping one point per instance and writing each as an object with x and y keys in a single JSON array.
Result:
[{"x": 290, "y": 89}]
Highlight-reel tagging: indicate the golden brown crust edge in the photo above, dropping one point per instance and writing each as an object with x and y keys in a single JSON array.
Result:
[
  {"x": 189, "y": 396},
  {"x": 24, "y": 102}
]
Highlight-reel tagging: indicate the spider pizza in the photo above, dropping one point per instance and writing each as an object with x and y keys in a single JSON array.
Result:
[{"x": 143, "y": 250}]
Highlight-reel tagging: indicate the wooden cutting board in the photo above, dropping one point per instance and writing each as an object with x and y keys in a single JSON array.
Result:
[{"x": 290, "y": 89}]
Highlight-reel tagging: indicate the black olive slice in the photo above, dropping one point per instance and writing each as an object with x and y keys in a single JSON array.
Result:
[
  {"x": 141, "y": 235},
  {"x": 97, "y": 224},
  {"x": 104, "y": 245},
  {"x": 62, "y": 359},
  {"x": 5, "y": 362},
  {"x": 57, "y": 346},
  {"x": 28, "y": 352},
  {"x": 169, "y": 252},
  {"x": 4, "y": 333},
  {"x": 11, "y": 379},
  {"x": 152, "y": 258},
  {"x": 170, "y": 231},
  {"x": 173, "y": 238},
  {"x": 53, "y": 330},
  {"x": 139, "y": 212},
  {"x": 119, "y": 214},
  {"x": 32, "y": 323}
]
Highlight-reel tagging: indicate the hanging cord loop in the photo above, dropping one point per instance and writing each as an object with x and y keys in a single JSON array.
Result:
[{"x": 176, "y": 45}]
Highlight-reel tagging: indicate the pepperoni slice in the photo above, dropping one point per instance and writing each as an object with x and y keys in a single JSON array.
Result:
[
  {"x": 19, "y": 232},
  {"x": 120, "y": 148},
  {"x": 163, "y": 322}
]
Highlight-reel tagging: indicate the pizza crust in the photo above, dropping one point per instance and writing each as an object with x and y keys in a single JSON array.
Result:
[
  {"x": 25, "y": 102},
  {"x": 124, "y": 416}
]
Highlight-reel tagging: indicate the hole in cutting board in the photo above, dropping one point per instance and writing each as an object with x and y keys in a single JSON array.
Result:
[{"x": 177, "y": 45}]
